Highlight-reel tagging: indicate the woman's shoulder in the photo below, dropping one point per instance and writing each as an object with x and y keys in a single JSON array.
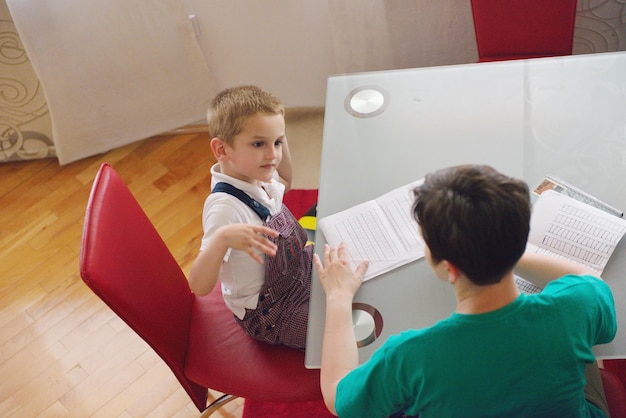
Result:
[{"x": 571, "y": 283}]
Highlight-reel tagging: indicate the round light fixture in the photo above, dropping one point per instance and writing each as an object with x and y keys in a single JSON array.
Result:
[{"x": 366, "y": 102}]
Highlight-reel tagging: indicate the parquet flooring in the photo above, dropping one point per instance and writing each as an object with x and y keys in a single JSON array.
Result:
[{"x": 62, "y": 351}]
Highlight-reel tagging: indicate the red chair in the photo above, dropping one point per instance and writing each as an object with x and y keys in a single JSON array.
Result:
[
  {"x": 127, "y": 265},
  {"x": 615, "y": 392},
  {"x": 517, "y": 29},
  {"x": 617, "y": 367}
]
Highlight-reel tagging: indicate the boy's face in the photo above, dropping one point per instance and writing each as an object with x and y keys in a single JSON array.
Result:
[{"x": 256, "y": 152}]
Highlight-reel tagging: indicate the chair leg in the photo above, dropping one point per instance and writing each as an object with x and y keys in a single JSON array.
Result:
[{"x": 217, "y": 404}]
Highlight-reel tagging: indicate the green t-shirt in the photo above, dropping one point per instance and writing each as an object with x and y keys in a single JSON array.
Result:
[{"x": 526, "y": 359}]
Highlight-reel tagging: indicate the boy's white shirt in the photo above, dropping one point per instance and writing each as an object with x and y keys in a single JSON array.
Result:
[{"x": 241, "y": 276}]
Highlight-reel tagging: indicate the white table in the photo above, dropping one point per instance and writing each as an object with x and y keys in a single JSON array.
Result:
[{"x": 564, "y": 116}]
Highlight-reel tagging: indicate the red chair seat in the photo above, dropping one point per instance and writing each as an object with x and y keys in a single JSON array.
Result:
[{"x": 244, "y": 366}]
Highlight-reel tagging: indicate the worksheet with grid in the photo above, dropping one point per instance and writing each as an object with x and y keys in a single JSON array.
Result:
[
  {"x": 565, "y": 227},
  {"x": 382, "y": 231}
]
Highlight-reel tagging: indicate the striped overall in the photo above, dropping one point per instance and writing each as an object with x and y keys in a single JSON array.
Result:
[{"x": 282, "y": 312}]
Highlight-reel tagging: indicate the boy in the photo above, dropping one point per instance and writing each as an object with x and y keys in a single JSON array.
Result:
[
  {"x": 501, "y": 353},
  {"x": 251, "y": 242}
]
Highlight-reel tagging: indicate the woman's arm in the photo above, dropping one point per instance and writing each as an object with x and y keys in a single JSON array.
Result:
[
  {"x": 339, "y": 348},
  {"x": 541, "y": 269}
]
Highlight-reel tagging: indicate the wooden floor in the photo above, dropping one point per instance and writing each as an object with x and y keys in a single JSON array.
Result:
[{"x": 62, "y": 351}]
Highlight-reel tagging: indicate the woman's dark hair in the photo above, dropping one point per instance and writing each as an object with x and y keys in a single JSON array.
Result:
[{"x": 476, "y": 218}]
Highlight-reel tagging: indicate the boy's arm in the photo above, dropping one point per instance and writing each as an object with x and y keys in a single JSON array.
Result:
[
  {"x": 339, "y": 348},
  {"x": 205, "y": 270},
  {"x": 285, "y": 169},
  {"x": 541, "y": 269}
]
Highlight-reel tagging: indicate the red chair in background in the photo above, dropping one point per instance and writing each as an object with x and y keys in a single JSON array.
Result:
[
  {"x": 613, "y": 374},
  {"x": 615, "y": 394},
  {"x": 126, "y": 264},
  {"x": 518, "y": 29}
]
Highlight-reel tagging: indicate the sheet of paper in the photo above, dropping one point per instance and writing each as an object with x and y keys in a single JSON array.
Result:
[
  {"x": 564, "y": 227},
  {"x": 382, "y": 231}
]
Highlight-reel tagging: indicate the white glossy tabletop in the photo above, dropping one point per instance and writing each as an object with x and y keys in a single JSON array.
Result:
[{"x": 564, "y": 116}]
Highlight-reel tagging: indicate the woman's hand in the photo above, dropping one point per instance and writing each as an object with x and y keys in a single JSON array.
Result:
[{"x": 336, "y": 275}]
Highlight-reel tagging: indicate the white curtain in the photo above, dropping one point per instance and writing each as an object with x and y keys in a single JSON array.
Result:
[
  {"x": 371, "y": 35},
  {"x": 113, "y": 71}
]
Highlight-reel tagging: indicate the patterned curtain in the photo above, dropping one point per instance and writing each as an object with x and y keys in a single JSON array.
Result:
[{"x": 25, "y": 131}]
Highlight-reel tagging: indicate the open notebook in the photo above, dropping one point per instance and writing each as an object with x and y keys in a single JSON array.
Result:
[{"x": 384, "y": 232}]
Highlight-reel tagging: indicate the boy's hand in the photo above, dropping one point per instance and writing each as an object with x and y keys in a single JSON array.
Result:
[
  {"x": 337, "y": 277},
  {"x": 249, "y": 238}
]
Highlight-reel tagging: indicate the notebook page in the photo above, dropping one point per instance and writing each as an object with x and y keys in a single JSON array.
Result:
[
  {"x": 564, "y": 227},
  {"x": 382, "y": 231}
]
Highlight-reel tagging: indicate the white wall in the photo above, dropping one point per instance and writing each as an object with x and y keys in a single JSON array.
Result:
[
  {"x": 290, "y": 47},
  {"x": 284, "y": 46}
]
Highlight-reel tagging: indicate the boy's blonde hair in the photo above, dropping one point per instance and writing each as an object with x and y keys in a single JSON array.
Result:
[{"x": 232, "y": 107}]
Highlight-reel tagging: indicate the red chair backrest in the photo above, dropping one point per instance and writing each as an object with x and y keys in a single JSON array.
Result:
[
  {"x": 126, "y": 263},
  {"x": 513, "y": 29}
]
